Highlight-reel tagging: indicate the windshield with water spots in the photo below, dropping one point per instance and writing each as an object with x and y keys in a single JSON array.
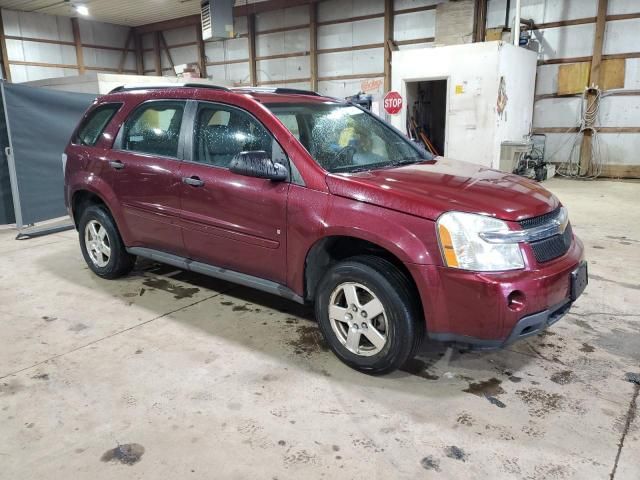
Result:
[{"x": 345, "y": 138}]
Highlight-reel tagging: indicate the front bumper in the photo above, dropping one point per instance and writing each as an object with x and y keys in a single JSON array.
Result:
[{"x": 475, "y": 308}]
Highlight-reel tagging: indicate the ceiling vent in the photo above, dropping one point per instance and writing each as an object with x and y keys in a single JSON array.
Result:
[{"x": 217, "y": 19}]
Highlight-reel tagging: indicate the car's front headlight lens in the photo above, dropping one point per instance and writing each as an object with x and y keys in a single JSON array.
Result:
[{"x": 462, "y": 246}]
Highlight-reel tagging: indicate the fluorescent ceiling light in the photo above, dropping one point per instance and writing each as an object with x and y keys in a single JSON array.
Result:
[{"x": 82, "y": 10}]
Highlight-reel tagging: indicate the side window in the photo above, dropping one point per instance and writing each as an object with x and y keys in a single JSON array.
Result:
[
  {"x": 95, "y": 123},
  {"x": 221, "y": 132},
  {"x": 154, "y": 128}
]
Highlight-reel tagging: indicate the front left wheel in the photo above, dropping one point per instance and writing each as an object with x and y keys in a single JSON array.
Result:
[
  {"x": 101, "y": 244},
  {"x": 368, "y": 313}
]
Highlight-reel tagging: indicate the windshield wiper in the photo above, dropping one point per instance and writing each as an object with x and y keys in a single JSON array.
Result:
[{"x": 405, "y": 161}]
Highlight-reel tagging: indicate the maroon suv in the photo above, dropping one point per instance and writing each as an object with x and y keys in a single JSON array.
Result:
[{"x": 317, "y": 200}]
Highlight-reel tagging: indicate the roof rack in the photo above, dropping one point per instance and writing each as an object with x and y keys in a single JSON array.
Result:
[
  {"x": 128, "y": 88},
  {"x": 278, "y": 90}
]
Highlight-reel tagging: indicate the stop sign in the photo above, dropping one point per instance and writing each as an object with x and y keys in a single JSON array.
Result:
[{"x": 392, "y": 103}]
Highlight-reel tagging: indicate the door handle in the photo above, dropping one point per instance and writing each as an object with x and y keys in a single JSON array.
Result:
[
  {"x": 117, "y": 164},
  {"x": 193, "y": 181}
]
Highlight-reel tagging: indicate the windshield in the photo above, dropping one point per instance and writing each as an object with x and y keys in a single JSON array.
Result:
[{"x": 345, "y": 138}]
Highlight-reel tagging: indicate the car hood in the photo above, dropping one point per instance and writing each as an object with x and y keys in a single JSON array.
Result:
[{"x": 433, "y": 187}]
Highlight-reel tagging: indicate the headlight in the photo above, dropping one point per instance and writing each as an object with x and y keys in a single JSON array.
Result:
[{"x": 463, "y": 247}]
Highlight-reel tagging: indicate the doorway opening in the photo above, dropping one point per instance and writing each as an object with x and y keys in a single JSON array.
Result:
[{"x": 427, "y": 113}]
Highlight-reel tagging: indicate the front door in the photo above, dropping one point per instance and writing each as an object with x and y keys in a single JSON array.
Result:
[
  {"x": 230, "y": 220},
  {"x": 146, "y": 178}
]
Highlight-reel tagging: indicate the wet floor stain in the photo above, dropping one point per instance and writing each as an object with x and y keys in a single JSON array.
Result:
[
  {"x": 430, "y": 463},
  {"x": 11, "y": 387},
  {"x": 456, "y": 453},
  {"x": 496, "y": 402},
  {"x": 563, "y": 378},
  {"x": 309, "y": 341},
  {"x": 486, "y": 388},
  {"x": 418, "y": 368},
  {"x": 586, "y": 348},
  {"x": 540, "y": 402},
  {"x": 41, "y": 376},
  {"x": 127, "y": 454},
  {"x": 633, "y": 286},
  {"x": 632, "y": 377},
  {"x": 241, "y": 308},
  {"x": 465, "y": 419},
  {"x": 583, "y": 324},
  {"x": 48, "y": 318},
  {"x": 226, "y": 303},
  {"x": 78, "y": 327},
  {"x": 515, "y": 379},
  {"x": 178, "y": 291}
]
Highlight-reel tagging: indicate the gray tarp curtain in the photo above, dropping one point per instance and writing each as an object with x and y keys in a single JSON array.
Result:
[{"x": 39, "y": 123}]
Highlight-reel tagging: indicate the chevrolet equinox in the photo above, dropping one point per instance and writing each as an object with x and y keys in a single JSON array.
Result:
[{"x": 319, "y": 201}]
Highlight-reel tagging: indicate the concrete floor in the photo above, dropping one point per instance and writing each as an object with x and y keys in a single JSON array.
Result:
[{"x": 210, "y": 380}]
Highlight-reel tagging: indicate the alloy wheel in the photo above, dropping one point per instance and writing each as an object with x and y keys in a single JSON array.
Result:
[
  {"x": 97, "y": 242},
  {"x": 358, "y": 319}
]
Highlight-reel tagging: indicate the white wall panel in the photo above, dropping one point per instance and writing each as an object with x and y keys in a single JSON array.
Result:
[
  {"x": 234, "y": 49},
  {"x": 541, "y": 11},
  {"x": 556, "y": 112},
  {"x": 349, "y": 63},
  {"x": 632, "y": 73},
  {"x": 283, "y": 69},
  {"x": 558, "y": 147},
  {"x": 617, "y": 7},
  {"x": 300, "y": 85},
  {"x": 547, "y": 79},
  {"x": 94, "y": 57},
  {"x": 235, "y": 72},
  {"x": 618, "y": 111},
  {"x": 180, "y": 35},
  {"x": 567, "y": 42},
  {"x": 620, "y": 148},
  {"x": 404, "y": 4},
  {"x": 147, "y": 41},
  {"x": 288, "y": 17},
  {"x": 351, "y": 34},
  {"x": 25, "y": 73},
  {"x": 339, "y": 9},
  {"x": 240, "y": 25},
  {"x": 37, "y": 25},
  {"x": 342, "y": 88},
  {"x": 184, "y": 55},
  {"x": 414, "y": 25},
  {"x": 282, "y": 42},
  {"x": 40, "y": 52},
  {"x": 619, "y": 37},
  {"x": 98, "y": 33}
]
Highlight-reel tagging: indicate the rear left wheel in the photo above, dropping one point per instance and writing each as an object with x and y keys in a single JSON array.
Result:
[{"x": 101, "y": 244}]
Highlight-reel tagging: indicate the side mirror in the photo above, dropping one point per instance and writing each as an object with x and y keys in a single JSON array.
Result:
[{"x": 258, "y": 163}]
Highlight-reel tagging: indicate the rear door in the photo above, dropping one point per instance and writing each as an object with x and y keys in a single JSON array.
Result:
[
  {"x": 145, "y": 165},
  {"x": 230, "y": 220}
]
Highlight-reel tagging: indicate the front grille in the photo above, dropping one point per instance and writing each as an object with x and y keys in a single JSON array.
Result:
[
  {"x": 540, "y": 220},
  {"x": 552, "y": 247}
]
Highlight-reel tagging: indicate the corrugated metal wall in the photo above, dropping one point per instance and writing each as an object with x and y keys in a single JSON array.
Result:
[
  {"x": 561, "y": 44},
  {"x": 43, "y": 46}
]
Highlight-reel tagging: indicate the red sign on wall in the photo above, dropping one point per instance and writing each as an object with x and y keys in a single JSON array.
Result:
[{"x": 392, "y": 103}]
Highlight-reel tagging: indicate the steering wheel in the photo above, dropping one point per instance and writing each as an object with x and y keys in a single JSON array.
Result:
[{"x": 342, "y": 158}]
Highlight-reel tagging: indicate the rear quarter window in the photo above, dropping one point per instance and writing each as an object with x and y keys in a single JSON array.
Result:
[{"x": 94, "y": 124}]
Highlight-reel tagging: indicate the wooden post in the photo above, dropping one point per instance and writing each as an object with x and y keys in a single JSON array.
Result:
[
  {"x": 78, "y": 43},
  {"x": 586, "y": 149},
  {"x": 139, "y": 54},
  {"x": 6, "y": 66},
  {"x": 388, "y": 42},
  {"x": 479, "y": 20},
  {"x": 125, "y": 52},
  {"x": 163, "y": 43},
  {"x": 251, "y": 27},
  {"x": 313, "y": 45},
  {"x": 202, "y": 58},
  {"x": 156, "y": 53}
]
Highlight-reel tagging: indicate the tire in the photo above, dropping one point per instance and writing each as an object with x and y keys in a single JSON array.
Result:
[
  {"x": 400, "y": 324},
  {"x": 96, "y": 225}
]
